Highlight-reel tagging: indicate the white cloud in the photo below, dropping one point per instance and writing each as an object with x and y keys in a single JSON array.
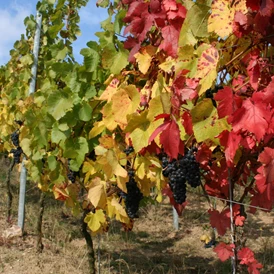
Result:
[{"x": 11, "y": 27}]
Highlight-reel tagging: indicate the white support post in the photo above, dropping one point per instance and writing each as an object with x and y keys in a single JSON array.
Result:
[
  {"x": 23, "y": 174},
  {"x": 175, "y": 219}
]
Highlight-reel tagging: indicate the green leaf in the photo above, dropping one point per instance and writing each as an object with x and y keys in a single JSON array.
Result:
[
  {"x": 59, "y": 103},
  {"x": 85, "y": 112},
  {"x": 57, "y": 135},
  {"x": 118, "y": 22},
  {"x": 76, "y": 149},
  {"x": 51, "y": 2},
  {"x": 26, "y": 60},
  {"x": 114, "y": 60},
  {"x": 102, "y": 3},
  {"x": 54, "y": 30},
  {"x": 52, "y": 162},
  {"x": 198, "y": 15},
  {"x": 25, "y": 144},
  {"x": 91, "y": 59},
  {"x": 206, "y": 125},
  {"x": 62, "y": 54}
]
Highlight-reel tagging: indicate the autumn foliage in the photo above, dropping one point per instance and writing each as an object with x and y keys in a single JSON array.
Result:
[{"x": 185, "y": 74}]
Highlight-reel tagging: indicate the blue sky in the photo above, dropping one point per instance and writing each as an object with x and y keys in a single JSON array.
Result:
[{"x": 13, "y": 13}]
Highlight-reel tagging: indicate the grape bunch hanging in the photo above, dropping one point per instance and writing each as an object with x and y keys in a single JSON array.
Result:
[
  {"x": 18, "y": 150},
  {"x": 133, "y": 196},
  {"x": 179, "y": 172}
]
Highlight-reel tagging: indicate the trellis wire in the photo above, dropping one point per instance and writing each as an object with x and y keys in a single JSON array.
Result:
[
  {"x": 233, "y": 202},
  {"x": 23, "y": 174}
]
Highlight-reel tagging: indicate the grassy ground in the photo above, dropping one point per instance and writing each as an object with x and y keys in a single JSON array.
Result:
[{"x": 153, "y": 247}]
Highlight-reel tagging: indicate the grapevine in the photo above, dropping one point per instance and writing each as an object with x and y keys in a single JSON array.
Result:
[{"x": 183, "y": 101}]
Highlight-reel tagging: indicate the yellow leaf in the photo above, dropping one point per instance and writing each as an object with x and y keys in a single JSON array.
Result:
[
  {"x": 121, "y": 183},
  {"x": 144, "y": 58},
  {"x": 117, "y": 210},
  {"x": 205, "y": 238},
  {"x": 110, "y": 90},
  {"x": 155, "y": 108},
  {"x": 25, "y": 144},
  {"x": 96, "y": 221},
  {"x": 97, "y": 193},
  {"x": 221, "y": 19},
  {"x": 125, "y": 102},
  {"x": 143, "y": 61},
  {"x": 139, "y": 139},
  {"x": 90, "y": 168},
  {"x": 206, "y": 82},
  {"x": 112, "y": 160},
  {"x": 107, "y": 141},
  {"x": 207, "y": 62},
  {"x": 99, "y": 150},
  {"x": 98, "y": 128},
  {"x": 108, "y": 117}
]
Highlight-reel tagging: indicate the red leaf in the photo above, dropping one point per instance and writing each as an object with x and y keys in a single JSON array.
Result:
[
  {"x": 187, "y": 123},
  {"x": 253, "y": 4},
  {"x": 253, "y": 71},
  {"x": 268, "y": 95},
  {"x": 220, "y": 221},
  {"x": 152, "y": 149},
  {"x": 170, "y": 139},
  {"x": 267, "y": 159},
  {"x": 246, "y": 255},
  {"x": 133, "y": 45},
  {"x": 182, "y": 91},
  {"x": 203, "y": 155},
  {"x": 252, "y": 116},
  {"x": 266, "y": 7},
  {"x": 226, "y": 102},
  {"x": 253, "y": 267},
  {"x": 230, "y": 140},
  {"x": 242, "y": 24},
  {"x": 158, "y": 130},
  {"x": 170, "y": 42},
  {"x": 265, "y": 180},
  {"x": 239, "y": 220},
  {"x": 224, "y": 251},
  {"x": 163, "y": 115}
]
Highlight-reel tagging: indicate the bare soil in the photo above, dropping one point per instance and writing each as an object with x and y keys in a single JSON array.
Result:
[{"x": 153, "y": 247}]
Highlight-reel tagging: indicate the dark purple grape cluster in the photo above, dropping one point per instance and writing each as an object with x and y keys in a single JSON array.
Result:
[
  {"x": 129, "y": 150},
  {"x": 18, "y": 150},
  {"x": 15, "y": 138},
  {"x": 72, "y": 176},
  {"x": 191, "y": 168},
  {"x": 177, "y": 180},
  {"x": 132, "y": 197},
  {"x": 17, "y": 154},
  {"x": 186, "y": 169}
]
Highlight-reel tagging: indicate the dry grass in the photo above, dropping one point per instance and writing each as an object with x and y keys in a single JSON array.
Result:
[{"x": 153, "y": 247}]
